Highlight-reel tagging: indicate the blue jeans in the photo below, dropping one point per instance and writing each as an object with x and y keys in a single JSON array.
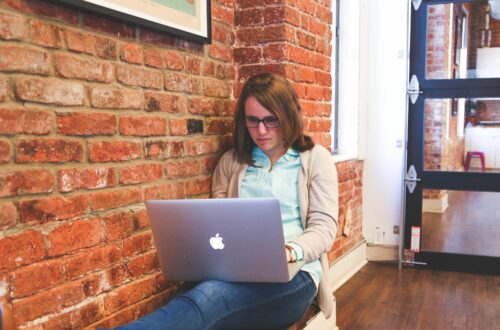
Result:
[{"x": 228, "y": 305}]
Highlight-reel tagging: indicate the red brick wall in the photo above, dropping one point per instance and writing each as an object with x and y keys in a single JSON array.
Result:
[{"x": 97, "y": 116}]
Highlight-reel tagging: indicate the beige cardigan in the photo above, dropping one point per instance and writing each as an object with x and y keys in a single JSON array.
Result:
[{"x": 318, "y": 196}]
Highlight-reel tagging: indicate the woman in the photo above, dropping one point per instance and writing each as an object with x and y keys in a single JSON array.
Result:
[{"x": 271, "y": 157}]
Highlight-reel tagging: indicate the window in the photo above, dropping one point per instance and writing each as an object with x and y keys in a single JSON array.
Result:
[{"x": 345, "y": 74}]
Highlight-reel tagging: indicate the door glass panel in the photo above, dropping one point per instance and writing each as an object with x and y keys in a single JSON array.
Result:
[
  {"x": 463, "y": 41},
  {"x": 462, "y": 135},
  {"x": 463, "y": 222}
]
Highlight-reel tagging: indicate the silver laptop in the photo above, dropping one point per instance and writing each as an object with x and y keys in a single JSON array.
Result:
[{"x": 232, "y": 239}]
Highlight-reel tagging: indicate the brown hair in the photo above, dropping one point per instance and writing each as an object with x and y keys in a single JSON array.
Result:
[{"x": 277, "y": 95}]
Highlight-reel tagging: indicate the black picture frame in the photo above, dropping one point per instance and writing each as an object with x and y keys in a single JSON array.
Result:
[{"x": 157, "y": 16}]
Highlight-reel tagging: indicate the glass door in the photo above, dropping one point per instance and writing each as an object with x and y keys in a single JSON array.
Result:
[{"x": 452, "y": 206}]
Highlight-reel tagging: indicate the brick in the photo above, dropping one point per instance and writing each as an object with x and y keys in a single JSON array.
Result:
[
  {"x": 33, "y": 278},
  {"x": 179, "y": 82},
  {"x": 306, "y": 40},
  {"x": 222, "y": 53},
  {"x": 86, "y": 123},
  {"x": 81, "y": 42},
  {"x": 75, "y": 67},
  {"x": 210, "y": 107},
  {"x": 174, "y": 61},
  {"x": 306, "y": 74},
  {"x": 48, "y": 151},
  {"x": 197, "y": 186},
  {"x": 219, "y": 33},
  {"x": 52, "y": 208},
  {"x": 323, "y": 78},
  {"x": 132, "y": 53},
  {"x": 4, "y": 89},
  {"x": 163, "y": 102},
  {"x": 113, "y": 277},
  {"x": 139, "y": 243},
  {"x": 49, "y": 91},
  {"x": 43, "y": 8},
  {"x": 193, "y": 65},
  {"x": 248, "y": 71},
  {"x": 47, "y": 302},
  {"x": 8, "y": 215},
  {"x": 194, "y": 126},
  {"x": 208, "y": 165},
  {"x": 143, "y": 126},
  {"x": 111, "y": 199},
  {"x": 21, "y": 249},
  {"x": 216, "y": 88},
  {"x": 108, "y": 25},
  {"x": 24, "y": 59},
  {"x": 220, "y": 126},
  {"x": 165, "y": 191},
  {"x": 164, "y": 149},
  {"x": 141, "y": 221},
  {"x": 178, "y": 126},
  {"x": 47, "y": 35},
  {"x": 201, "y": 146},
  {"x": 114, "y": 151},
  {"x": 133, "y": 76},
  {"x": 315, "y": 92},
  {"x": 116, "y": 98},
  {"x": 117, "y": 225},
  {"x": 222, "y": 14},
  {"x": 86, "y": 314},
  {"x": 129, "y": 294},
  {"x": 262, "y": 35},
  {"x": 140, "y": 173},
  {"x": 181, "y": 169},
  {"x": 4, "y": 152},
  {"x": 70, "y": 237},
  {"x": 153, "y": 57},
  {"x": 92, "y": 260},
  {"x": 12, "y": 27},
  {"x": 14, "y": 183},
  {"x": 276, "y": 51},
  {"x": 249, "y": 17},
  {"x": 106, "y": 48},
  {"x": 208, "y": 68},
  {"x": 25, "y": 121},
  {"x": 86, "y": 178},
  {"x": 247, "y": 55},
  {"x": 143, "y": 264}
]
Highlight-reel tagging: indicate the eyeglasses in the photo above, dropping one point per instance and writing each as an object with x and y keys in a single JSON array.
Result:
[{"x": 269, "y": 122}]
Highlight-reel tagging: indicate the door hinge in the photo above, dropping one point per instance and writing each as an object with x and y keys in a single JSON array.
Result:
[
  {"x": 411, "y": 179},
  {"x": 414, "y": 89},
  {"x": 416, "y": 4}
]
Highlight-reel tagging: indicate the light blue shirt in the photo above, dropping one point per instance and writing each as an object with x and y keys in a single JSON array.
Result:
[{"x": 282, "y": 183}]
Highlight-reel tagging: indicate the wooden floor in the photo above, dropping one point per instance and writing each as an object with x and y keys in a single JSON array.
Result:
[
  {"x": 470, "y": 225},
  {"x": 381, "y": 296}
]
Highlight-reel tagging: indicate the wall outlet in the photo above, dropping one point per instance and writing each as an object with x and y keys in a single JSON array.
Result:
[
  {"x": 395, "y": 230},
  {"x": 378, "y": 236}
]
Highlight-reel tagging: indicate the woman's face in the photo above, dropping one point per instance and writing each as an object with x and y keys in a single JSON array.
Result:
[{"x": 269, "y": 140}]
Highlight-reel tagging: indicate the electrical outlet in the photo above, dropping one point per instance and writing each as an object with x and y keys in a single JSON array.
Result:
[{"x": 395, "y": 230}]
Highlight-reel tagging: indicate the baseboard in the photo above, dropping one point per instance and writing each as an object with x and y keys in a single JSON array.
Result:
[
  {"x": 382, "y": 252},
  {"x": 340, "y": 272},
  {"x": 435, "y": 205}
]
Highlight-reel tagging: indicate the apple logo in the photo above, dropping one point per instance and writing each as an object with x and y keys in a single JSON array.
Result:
[{"x": 216, "y": 242}]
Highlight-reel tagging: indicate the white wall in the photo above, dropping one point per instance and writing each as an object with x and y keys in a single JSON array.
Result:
[{"x": 383, "y": 79}]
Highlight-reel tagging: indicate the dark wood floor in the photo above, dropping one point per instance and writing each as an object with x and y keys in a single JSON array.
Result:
[
  {"x": 380, "y": 296},
  {"x": 470, "y": 225}
]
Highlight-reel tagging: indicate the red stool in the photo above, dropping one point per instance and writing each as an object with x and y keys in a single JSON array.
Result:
[{"x": 471, "y": 154}]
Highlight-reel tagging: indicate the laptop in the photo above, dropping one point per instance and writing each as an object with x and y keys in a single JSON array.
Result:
[{"x": 229, "y": 239}]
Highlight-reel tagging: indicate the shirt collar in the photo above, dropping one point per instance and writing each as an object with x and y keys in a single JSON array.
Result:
[{"x": 261, "y": 158}]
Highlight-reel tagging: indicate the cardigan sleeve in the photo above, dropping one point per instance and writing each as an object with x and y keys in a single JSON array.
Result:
[
  {"x": 222, "y": 175},
  {"x": 322, "y": 209}
]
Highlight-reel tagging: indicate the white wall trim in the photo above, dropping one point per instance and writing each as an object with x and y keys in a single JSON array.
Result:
[
  {"x": 348, "y": 265},
  {"x": 340, "y": 272},
  {"x": 382, "y": 252}
]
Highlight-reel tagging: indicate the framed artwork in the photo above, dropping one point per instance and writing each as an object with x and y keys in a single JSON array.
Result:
[{"x": 188, "y": 19}]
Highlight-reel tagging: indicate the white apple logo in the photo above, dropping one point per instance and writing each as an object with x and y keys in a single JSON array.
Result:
[{"x": 216, "y": 242}]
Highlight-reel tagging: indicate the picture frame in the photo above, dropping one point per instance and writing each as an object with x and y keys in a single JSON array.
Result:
[{"x": 189, "y": 19}]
